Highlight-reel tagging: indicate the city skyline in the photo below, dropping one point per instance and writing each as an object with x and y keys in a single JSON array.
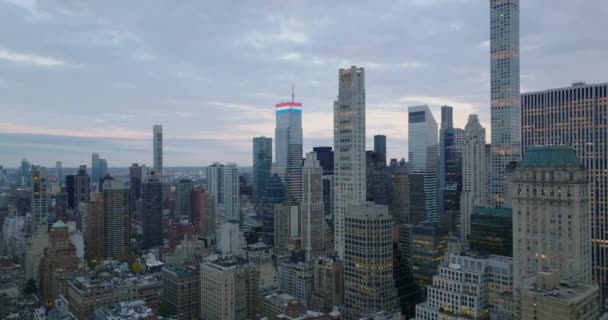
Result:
[{"x": 111, "y": 111}]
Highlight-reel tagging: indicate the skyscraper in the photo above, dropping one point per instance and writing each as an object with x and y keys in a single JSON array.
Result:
[
  {"x": 275, "y": 194},
  {"x": 182, "y": 199},
  {"x": 506, "y": 108},
  {"x": 215, "y": 179},
  {"x": 94, "y": 231},
  {"x": 95, "y": 168},
  {"x": 203, "y": 211},
  {"x": 231, "y": 193},
  {"x": 116, "y": 219},
  {"x": 349, "y": 148},
  {"x": 450, "y": 168},
  {"x": 135, "y": 180},
  {"x": 152, "y": 196},
  {"x": 288, "y": 145},
  {"x": 262, "y": 167},
  {"x": 40, "y": 199},
  {"x": 576, "y": 116},
  {"x": 78, "y": 188},
  {"x": 286, "y": 226},
  {"x": 377, "y": 178},
  {"x": 380, "y": 147},
  {"x": 157, "y": 150},
  {"x": 551, "y": 222},
  {"x": 474, "y": 193},
  {"x": 423, "y": 160},
  {"x": 59, "y": 169},
  {"x": 368, "y": 261},
  {"x": 312, "y": 207},
  {"x": 326, "y": 158},
  {"x": 400, "y": 200}
]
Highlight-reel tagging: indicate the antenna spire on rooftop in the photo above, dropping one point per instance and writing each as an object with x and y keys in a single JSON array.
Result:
[{"x": 293, "y": 95}]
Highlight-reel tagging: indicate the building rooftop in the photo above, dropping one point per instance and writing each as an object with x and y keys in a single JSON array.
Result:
[
  {"x": 566, "y": 292},
  {"x": 540, "y": 157},
  {"x": 493, "y": 212},
  {"x": 131, "y": 310}
]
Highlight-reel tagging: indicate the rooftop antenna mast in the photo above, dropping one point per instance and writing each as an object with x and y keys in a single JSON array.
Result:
[{"x": 293, "y": 96}]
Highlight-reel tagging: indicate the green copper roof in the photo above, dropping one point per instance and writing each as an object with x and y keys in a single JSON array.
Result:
[
  {"x": 59, "y": 224},
  {"x": 549, "y": 157}
]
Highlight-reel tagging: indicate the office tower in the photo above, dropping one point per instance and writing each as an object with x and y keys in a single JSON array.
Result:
[
  {"x": 474, "y": 173},
  {"x": 203, "y": 211},
  {"x": 261, "y": 256},
  {"x": 328, "y": 284},
  {"x": 328, "y": 195},
  {"x": 262, "y": 166},
  {"x": 551, "y": 222},
  {"x": 400, "y": 199},
  {"x": 229, "y": 241},
  {"x": 312, "y": 207},
  {"x": 103, "y": 169},
  {"x": 574, "y": 116},
  {"x": 470, "y": 286},
  {"x": 181, "y": 197},
  {"x": 135, "y": 180},
  {"x": 229, "y": 287},
  {"x": 78, "y": 188},
  {"x": 450, "y": 168},
  {"x": 116, "y": 219},
  {"x": 59, "y": 169},
  {"x": 95, "y": 168},
  {"x": 349, "y": 148},
  {"x": 380, "y": 147},
  {"x": 296, "y": 279},
  {"x": 492, "y": 231},
  {"x": 286, "y": 226},
  {"x": 547, "y": 296},
  {"x": 181, "y": 291},
  {"x": 231, "y": 193},
  {"x": 38, "y": 239},
  {"x": 275, "y": 194},
  {"x": 423, "y": 160},
  {"x": 407, "y": 290},
  {"x": 157, "y": 150},
  {"x": 288, "y": 145},
  {"x": 377, "y": 178},
  {"x": 424, "y": 246},
  {"x": 506, "y": 108},
  {"x": 24, "y": 173},
  {"x": 326, "y": 159},
  {"x": 368, "y": 261},
  {"x": 215, "y": 179},
  {"x": 152, "y": 212},
  {"x": 57, "y": 264},
  {"x": 94, "y": 231}
]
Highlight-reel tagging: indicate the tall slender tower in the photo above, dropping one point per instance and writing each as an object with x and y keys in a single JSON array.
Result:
[
  {"x": 231, "y": 193},
  {"x": 59, "y": 169},
  {"x": 95, "y": 168},
  {"x": 116, "y": 219},
  {"x": 288, "y": 145},
  {"x": 506, "y": 109},
  {"x": 158, "y": 150},
  {"x": 262, "y": 167},
  {"x": 40, "y": 199},
  {"x": 153, "y": 212},
  {"x": 349, "y": 144},
  {"x": 312, "y": 207},
  {"x": 474, "y": 193}
]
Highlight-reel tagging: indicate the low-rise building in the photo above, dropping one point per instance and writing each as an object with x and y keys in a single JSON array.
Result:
[
  {"x": 129, "y": 310},
  {"x": 181, "y": 291},
  {"x": 296, "y": 278},
  {"x": 260, "y": 255},
  {"x": 328, "y": 284}
]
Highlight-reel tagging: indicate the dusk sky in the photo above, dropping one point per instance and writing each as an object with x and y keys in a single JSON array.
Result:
[{"x": 78, "y": 77}]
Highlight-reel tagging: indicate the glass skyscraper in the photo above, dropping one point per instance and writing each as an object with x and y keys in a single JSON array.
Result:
[
  {"x": 288, "y": 146},
  {"x": 450, "y": 168},
  {"x": 157, "y": 156},
  {"x": 262, "y": 166},
  {"x": 506, "y": 109}
]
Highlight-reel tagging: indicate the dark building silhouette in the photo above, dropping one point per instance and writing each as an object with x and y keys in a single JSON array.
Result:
[
  {"x": 325, "y": 155},
  {"x": 152, "y": 196}
]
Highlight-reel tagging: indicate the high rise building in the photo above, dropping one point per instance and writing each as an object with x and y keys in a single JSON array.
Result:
[
  {"x": 400, "y": 198},
  {"x": 203, "y": 211},
  {"x": 312, "y": 207},
  {"x": 157, "y": 150},
  {"x": 349, "y": 148},
  {"x": 182, "y": 198},
  {"x": 261, "y": 256},
  {"x": 474, "y": 173},
  {"x": 424, "y": 246},
  {"x": 377, "y": 178},
  {"x": 78, "y": 188},
  {"x": 38, "y": 239},
  {"x": 328, "y": 284},
  {"x": 575, "y": 116},
  {"x": 286, "y": 226},
  {"x": 326, "y": 159},
  {"x": 152, "y": 212},
  {"x": 135, "y": 180},
  {"x": 59, "y": 169},
  {"x": 288, "y": 145},
  {"x": 262, "y": 167},
  {"x": 368, "y": 261},
  {"x": 423, "y": 160},
  {"x": 470, "y": 286},
  {"x": 492, "y": 231},
  {"x": 380, "y": 147},
  {"x": 57, "y": 264},
  {"x": 24, "y": 173},
  {"x": 328, "y": 195},
  {"x": 551, "y": 222},
  {"x": 215, "y": 179},
  {"x": 181, "y": 291},
  {"x": 103, "y": 168},
  {"x": 296, "y": 279},
  {"x": 229, "y": 287},
  {"x": 116, "y": 219},
  {"x": 450, "y": 168},
  {"x": 223, "y": 185},
  {"x": 506, "y": 107},
  {"x": 95, "y": 168},
  {"x": 275, "y": 194},
  {"x": 94, "y": 231}
]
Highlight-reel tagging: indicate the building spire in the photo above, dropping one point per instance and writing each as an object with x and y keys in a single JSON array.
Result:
[{"x": 293, "y": 95}]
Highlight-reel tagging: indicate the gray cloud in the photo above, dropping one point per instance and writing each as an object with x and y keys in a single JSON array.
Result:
[{"x": 211, "y": 72}]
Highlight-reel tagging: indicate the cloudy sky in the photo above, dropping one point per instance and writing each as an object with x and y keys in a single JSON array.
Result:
[{"x": 93, "y": 76}]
